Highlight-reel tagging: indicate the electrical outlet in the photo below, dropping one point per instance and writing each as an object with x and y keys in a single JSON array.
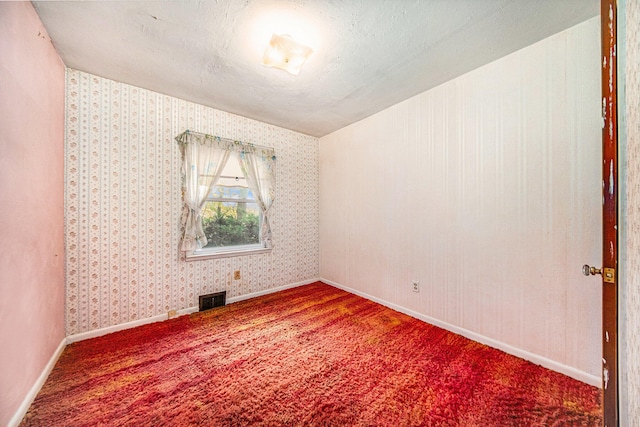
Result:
[
  {"x": 416, "y": 286},
  {"x": 236, "y": 275},
  {"x": 172, "y": 313}
]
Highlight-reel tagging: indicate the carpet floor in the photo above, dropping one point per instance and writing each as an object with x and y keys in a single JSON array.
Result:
[{"x": 312, "y": 355}]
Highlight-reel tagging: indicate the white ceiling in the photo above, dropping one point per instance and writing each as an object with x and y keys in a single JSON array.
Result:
[{"x": 368, "y": 54}]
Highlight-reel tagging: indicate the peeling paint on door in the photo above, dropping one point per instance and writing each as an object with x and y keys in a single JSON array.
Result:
[{"x": 611, "y": 180}]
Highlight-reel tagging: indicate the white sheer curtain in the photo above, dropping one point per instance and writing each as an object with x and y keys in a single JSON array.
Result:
[
  {"x": 258, "y": 166},
  {"x": 203, "y": 159}
]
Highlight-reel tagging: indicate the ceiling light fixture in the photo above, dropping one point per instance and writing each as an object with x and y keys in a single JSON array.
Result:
[{"x": 286, "y": 53}]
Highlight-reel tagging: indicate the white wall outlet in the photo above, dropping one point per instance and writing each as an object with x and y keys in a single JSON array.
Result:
[{"x": 415, "y": 286}]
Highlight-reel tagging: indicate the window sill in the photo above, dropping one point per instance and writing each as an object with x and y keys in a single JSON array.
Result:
[{"x": 226, "y": 253}]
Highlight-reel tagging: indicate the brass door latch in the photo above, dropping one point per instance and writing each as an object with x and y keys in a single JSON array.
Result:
[{"x": 608, "y": 274}]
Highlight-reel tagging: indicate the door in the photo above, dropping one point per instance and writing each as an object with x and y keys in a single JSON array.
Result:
[{"x": 608, "y": 17}]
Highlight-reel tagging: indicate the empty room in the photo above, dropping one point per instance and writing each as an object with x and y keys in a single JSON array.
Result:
[{"x": 336, "y": 213}]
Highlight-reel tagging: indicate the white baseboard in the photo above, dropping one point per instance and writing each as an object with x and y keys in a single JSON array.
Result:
[
  {"x": 122, "y": 326},
  {"x": 539, "y": 360},
  {"x": 33, "y": 392},
  {"x": 161, "y": 317},
  {"x": 270, "y": 291},
  {"x": 523, "y": 354}
]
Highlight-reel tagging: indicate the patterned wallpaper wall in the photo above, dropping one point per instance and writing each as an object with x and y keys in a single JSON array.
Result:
[
  {"x": 632, "y": 272},
  {"x": 123, "y": 204}
]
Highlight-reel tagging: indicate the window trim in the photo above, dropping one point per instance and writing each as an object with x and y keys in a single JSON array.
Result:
[{"x": 227, "y": 251}]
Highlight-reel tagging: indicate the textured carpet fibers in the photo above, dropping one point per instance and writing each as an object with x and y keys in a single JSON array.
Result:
[{"x": 312, "y": 355}]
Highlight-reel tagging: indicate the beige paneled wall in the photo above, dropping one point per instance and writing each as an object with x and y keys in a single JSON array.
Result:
[
  {"x": 123, "y": 206},
  {"x": 487, "y": 190},
  {"x": 632, "y": 264}
]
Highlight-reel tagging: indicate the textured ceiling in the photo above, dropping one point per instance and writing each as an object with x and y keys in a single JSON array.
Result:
[{"x": 368, "y": 54}]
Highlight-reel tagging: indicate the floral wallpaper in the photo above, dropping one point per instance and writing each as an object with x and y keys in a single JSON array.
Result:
[{"x": 123, "y": 205}]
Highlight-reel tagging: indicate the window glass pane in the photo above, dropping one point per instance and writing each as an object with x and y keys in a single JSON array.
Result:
[
  {"x": 232, "y": 175},
  {"x": 232, "y": 181},
  {"x": 231, "y": 224},
  {"x": 221, "y": 192}
]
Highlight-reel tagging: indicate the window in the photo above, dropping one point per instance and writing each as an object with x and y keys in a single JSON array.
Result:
[
  {"x": 228, "y": 189},
  {"x": 231, "y": 218}
]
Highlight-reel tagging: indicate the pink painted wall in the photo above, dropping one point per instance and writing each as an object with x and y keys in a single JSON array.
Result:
[{"x": 31, "y": 203}]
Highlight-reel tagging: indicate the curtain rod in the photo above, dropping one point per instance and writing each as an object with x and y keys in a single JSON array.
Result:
[{"x": 206, "y": 135}]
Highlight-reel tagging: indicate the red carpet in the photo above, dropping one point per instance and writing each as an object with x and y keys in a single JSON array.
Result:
[{"x": 312, "y": 355}]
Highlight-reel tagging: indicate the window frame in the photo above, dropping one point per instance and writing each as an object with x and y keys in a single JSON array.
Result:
[{"x": 229, "y": 251}]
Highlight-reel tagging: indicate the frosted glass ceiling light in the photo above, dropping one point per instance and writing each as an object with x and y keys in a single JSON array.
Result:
[{"x": 285, "y": 53}]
